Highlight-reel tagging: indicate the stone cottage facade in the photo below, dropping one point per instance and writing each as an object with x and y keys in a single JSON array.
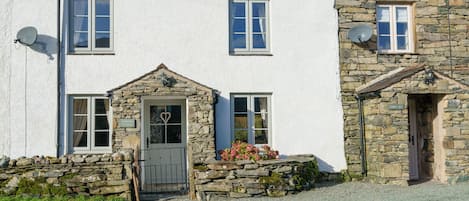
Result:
[{"x": 404, "y": 91}]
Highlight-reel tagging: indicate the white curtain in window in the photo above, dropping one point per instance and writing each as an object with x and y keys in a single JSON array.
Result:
[
  {"x": 383, "y": 14},
  {"x": 106, "y": 107},
  {"x": 79, "y": 123},
  {"x": 401, "y": 14},
  {"x": 264, "y": 114}
]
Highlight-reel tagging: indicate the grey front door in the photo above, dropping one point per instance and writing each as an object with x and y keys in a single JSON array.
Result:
[{"x": 165, "y": 144}]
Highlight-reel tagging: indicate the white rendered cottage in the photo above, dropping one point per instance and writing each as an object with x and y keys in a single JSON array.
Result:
[{"x": 266, "y": 72}]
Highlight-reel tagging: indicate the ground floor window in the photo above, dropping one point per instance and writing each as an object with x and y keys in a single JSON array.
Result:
[
  {"x": 251, "y": 118},
  {"x": 89, "y": 123}
]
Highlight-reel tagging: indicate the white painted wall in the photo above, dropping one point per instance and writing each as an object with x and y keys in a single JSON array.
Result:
[
  {"x": 192, "y": 38},
  {"x": 28, "y": 81}
]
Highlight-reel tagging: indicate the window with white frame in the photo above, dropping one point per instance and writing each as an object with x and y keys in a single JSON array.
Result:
[
  {"x": 251, "y": 118},
  {"x": 89, "y": 124},
  {"x": 394, "y": 27},
  {"x": 91, "y": 27},
  {"x": 249, "y": 25}
]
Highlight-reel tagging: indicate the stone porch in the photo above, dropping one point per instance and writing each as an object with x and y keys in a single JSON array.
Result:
[
  {"x": 127, "y": 102},
  {"x": 443, "y": 133}
]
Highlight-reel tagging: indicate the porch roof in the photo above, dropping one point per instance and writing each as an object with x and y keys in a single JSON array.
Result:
[
  {"x": 399, "y": 74},
  {"x": 164, "y": 68}
]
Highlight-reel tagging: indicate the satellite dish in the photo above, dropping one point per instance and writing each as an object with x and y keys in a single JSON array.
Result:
[
  {"x": 26, "y": 36},
  {"x": 360, "y": 33}
]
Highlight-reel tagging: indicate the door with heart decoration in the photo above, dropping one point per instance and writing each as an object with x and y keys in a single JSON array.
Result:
[{"x": 165, "y": 145}]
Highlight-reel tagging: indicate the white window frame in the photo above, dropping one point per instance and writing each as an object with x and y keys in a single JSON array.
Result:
[
  {"x": 248, "y": 10},
  {"x": 91, "y": 29},
  {"x": 90, "y": 148},
  {"x": 251, "y": 115},
  {"x": 393, "y": 28}
]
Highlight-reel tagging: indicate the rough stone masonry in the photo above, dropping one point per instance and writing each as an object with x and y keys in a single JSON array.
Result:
[
  {"x": 440, "y": 44},
  {"x": 90, "y": 175},
  {"x": 127, "y": 102}
]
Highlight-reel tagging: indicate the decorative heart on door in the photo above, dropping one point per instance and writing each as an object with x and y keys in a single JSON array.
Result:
[{"x": 165, "y": 116}]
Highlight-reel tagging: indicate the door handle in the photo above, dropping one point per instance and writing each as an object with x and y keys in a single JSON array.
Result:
[
  {"x": 413, "y": 142},
  {"x": 148, "y": 142}
]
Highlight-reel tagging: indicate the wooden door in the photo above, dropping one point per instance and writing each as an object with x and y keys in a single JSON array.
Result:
[{"x": 413, "y": 142}]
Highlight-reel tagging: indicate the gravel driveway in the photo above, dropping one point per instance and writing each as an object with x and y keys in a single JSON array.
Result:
[{"x": 357, "y": 191}]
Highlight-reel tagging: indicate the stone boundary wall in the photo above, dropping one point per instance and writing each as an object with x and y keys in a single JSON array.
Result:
[
  {"x": 89, "y": 175},
  {"x": 217, "y": 180}
]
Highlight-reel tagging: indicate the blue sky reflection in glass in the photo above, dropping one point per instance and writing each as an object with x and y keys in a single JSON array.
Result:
[
  {"x": 102, "y": 23},
  {"x": 258, "y": 26},
  {"x": 80, "y": 23},
  {"x": 384, "y": 30},
  {"x": 402, "y": 24},
  {"x": 239, "y": 25}
]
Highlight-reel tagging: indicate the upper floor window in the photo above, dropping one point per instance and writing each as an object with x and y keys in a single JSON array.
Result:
[
  {"x": 89, "y": 124},
  {"x": 251, "y": 117},
  {"x": 249, "y": 25},
  {"x": 91, "y": 26},
  {"x": 395, "y": 25}
]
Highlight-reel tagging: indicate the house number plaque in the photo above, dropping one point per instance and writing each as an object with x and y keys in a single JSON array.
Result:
[{"x": 126, "y": 123}]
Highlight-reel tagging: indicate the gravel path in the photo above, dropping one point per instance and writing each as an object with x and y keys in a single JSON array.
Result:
[{"x": 357, "y": 191}]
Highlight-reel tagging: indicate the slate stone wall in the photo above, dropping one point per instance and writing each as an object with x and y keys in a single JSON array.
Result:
[
  {"x": 360, "y": 64},
  {"x": 106, "y": 175},
  {"x": 218, "y": 180},
  {"x": 387, "y": 131},
  {"x": 127, "y": 102}
]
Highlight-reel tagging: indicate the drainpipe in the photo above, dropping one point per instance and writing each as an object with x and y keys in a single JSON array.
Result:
[
  {"x": 215, "y": 95},
  {"x": 58, "y": 80},
  {"x": 360, "y": 99}
]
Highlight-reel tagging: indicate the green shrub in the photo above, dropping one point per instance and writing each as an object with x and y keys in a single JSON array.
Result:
[{"x": 275, "y": 180}]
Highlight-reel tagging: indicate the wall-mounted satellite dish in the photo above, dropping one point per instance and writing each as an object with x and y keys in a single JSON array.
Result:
[
  {"x": 26, "y": 36},
  {"x": 360, "y": 33}
]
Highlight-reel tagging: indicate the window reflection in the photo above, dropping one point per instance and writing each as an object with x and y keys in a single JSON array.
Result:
[{"x": 165, "y": 124}]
